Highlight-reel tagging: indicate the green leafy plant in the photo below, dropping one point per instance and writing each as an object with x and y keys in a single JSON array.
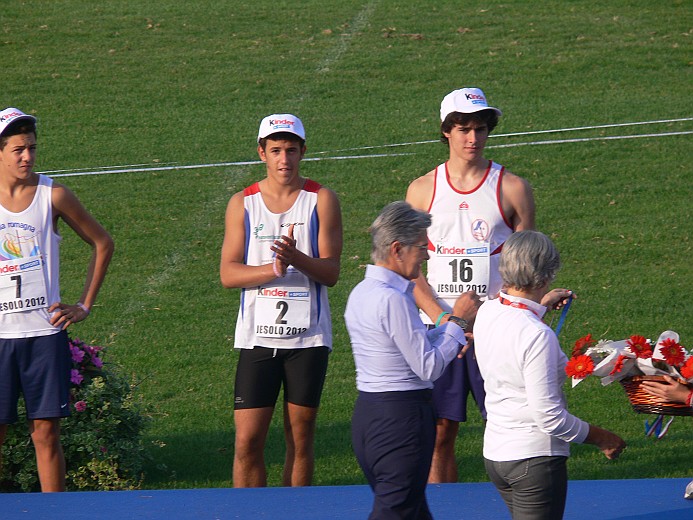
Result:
[{"x": 102, "y": 439}]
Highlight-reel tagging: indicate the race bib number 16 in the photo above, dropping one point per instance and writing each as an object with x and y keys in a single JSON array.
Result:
[
  {"x": 22, "y": 285},
  {"x": 455, "y": 270}
]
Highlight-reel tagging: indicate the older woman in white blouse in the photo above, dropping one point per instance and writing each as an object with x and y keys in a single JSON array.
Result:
[{"x": 528, "y": 430}]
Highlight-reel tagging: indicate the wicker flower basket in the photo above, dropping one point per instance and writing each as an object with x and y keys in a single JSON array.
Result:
[{"x": 644, "y": 402}]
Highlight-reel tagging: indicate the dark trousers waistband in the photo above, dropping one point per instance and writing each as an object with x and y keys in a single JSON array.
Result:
[{"x": 405, "y": 395}]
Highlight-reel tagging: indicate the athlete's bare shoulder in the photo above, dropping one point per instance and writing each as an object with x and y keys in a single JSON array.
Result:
[
  {"x": 514, "y": 185},
  {"x": 62, "y": 197},
  {"x": 420, "y": 191},
  {"x": 517, "y": 200}
]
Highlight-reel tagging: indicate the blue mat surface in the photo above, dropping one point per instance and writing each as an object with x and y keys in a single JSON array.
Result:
[{"x": 587, "y": 499}]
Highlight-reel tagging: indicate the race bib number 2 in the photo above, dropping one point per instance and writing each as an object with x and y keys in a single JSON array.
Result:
[
  {"x": 282, "y": 312},
  {"x": 22, "y": 285}
]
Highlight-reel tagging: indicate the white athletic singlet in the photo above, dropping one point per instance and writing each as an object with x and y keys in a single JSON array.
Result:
[
  {"x": 29, "y": 267},
  {"x": 289, "y": 312},
  {"x": 466, "y": 237}
]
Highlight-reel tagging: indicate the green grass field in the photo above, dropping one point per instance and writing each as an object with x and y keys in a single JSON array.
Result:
[{"x": 170, "y": 84}]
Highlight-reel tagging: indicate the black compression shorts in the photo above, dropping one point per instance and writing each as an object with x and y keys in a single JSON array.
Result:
[{"x": 262, "y": 371}]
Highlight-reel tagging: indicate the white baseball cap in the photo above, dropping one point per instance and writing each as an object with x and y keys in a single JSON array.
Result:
[
  {"x": 466, "y": 101},
  {"x": 281, "y": 123},
  {"x": 10, "y": 115}
]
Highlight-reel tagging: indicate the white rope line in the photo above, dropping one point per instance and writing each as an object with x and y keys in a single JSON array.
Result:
[
  {"x": 217, "y": 165},
  {"x": 101, "y": 170},
  {"x": 102, "y": 167},
  {"x": 585, "y": 139},
  {"x": 516, "y": 134}
]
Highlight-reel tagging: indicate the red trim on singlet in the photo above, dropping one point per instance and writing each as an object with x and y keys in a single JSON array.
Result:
[
  {"x": 435, "y": 184},
  {"x": 447, "y": 176},
  {"x": 516, "y": 305},
  {"x": 252, "y": 189},
  {"x": 308, "y": 185},
  {"x": 498, "y": 198},
  {"x": 311, "y": 186},
  {"x": 497, "y": 250}
]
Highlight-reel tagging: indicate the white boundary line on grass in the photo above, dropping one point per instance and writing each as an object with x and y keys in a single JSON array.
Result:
[
  {"x": 358, "y": 23},
  {"x": 128, "y": 169}
]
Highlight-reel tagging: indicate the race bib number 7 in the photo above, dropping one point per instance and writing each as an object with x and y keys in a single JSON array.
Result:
[
  {"x": 282, "y": 312},
  {"x": 22, "y": 285}
]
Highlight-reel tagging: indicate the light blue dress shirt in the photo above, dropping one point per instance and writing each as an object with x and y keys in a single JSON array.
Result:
[{"x": 392, "y": 349}]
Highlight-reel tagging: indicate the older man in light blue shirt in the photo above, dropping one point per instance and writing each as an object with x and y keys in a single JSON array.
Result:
[
  {"x": 392, "y": 349},
  {"x": 397, "y": 360}
]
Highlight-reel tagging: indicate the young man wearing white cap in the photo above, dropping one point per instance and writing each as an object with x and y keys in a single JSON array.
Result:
[
  {"x": 34, "y": 352},
  {"x": 282, "y": 248},
  {"x": 476, "y": 204}
]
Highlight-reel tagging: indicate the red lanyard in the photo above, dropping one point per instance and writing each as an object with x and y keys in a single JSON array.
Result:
[{"x": 517, "y": 305}]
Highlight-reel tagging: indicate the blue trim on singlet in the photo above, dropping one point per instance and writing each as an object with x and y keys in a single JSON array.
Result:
[
  {"x": 314, "y": 231},
  {"x": 246, "y": 225}
]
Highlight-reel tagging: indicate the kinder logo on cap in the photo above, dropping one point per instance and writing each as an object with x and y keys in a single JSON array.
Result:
[
  {"x": 466, "y": 101},
  {"x": 10, "y": 115},
  {"x": 281, "y": 123},
  {"x": 476, "y": 99}
]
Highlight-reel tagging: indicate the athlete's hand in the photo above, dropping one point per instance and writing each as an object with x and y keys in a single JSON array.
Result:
[
  {"x": 64, "y": 315},
  {"x": 285, "y": 250}
]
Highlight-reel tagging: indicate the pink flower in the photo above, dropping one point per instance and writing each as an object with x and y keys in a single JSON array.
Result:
[
  {"x": 76, "y": 377},
  {"x": 96, "y": 361},
  {"x": 80, "y": 406},
  {"x": 77, "y": 354}
]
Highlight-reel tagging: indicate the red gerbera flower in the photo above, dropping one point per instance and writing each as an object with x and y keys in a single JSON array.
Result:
[
  {"x": 583, "y": 344},
  {"x": 673, "y": 352},
  {"x": 618, "y": 366},
  {"x": 640, "y": 347},
  {"x": 579, "y": 366},
  {"x": 687, "y": 368}
]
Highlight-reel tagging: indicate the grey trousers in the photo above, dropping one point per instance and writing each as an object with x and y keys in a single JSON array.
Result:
[{"x": 533, "y": 489}]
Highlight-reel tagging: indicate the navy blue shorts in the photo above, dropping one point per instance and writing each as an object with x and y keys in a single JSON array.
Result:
[
  {"x": 262, "y": 371},
  {"x": 38, "y": 368},
  {"x": 450, "y": 391}
]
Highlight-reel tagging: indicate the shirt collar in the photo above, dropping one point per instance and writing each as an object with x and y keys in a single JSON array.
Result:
[
  {"x": 536, "y": 308},
  {"x": 389, "y": 277}
]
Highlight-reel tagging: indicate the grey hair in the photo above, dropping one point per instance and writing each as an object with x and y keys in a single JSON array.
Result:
[
  {"x": 529, "y": 260},
  {"x": 397, "y": 222}
]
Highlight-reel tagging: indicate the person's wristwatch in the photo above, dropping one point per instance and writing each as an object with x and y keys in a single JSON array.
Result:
[{"x": 459, "y": 321}]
